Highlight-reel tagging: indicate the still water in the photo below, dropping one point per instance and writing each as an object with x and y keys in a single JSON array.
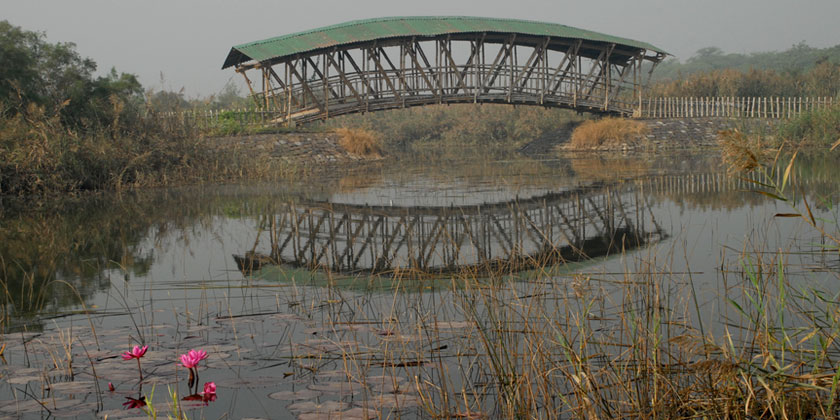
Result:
[{"x": 359, "y": 291}]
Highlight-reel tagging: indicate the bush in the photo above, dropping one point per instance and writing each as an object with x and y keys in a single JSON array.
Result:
[
  {"x": 360, "y": 141},
  {"x": 814, "y": 128},
  {"x": 607, "y": 132},
  {"x": 229, "y": 125}
]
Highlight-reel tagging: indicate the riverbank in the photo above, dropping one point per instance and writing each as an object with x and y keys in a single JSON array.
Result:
[
  {"x": 41, "y": 155},
  {"x": 662, "y": 134}
]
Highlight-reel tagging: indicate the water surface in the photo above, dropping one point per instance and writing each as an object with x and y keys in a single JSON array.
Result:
[{"x": 357, "y": 291}]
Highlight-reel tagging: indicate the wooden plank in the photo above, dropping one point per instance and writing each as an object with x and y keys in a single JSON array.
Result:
[
  {"x": 306, "y": 88},
  {"x": 344, "y": 79},
  {"x": 497, "y": 65},
  {"x": 384, "y": 75}
]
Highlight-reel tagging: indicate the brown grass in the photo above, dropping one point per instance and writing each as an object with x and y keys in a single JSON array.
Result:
[
  {"x": 741, "y": 152},
  {"x": 608, "y": 132},
  {"x": 360, "y": 141}
]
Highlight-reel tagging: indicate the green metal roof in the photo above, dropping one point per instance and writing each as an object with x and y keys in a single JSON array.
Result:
[{"x": 426, "y": 26}]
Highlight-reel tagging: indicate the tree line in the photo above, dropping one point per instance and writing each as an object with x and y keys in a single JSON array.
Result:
[{"x": 798, "y": 71}]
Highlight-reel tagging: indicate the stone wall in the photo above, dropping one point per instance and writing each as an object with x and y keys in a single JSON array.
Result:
[
  {"x": 300, "y": 147},
  {"x": 691, "y": 132},
  {"x": 671, "y": 133}
]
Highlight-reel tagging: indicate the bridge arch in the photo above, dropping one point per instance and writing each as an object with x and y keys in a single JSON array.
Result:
[{"x": 398, "y": 62}]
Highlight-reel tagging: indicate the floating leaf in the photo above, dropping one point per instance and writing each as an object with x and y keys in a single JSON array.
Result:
[
  {"x": 75, "y": 387},
  {"x": 313, "y": 407},
  {"x": 338, "y": 388},
  {"x": 393, "y": 401},
  {"x": 303, "y": 394}
]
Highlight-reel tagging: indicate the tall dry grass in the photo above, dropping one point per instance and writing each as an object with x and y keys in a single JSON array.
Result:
[
  {"x": 360, "y": 141},
  {"x": 608, "y": 132},
  {"x": 41, "y": 154}
]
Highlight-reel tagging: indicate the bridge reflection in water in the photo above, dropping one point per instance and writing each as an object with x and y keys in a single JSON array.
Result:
[{"x": 521, "y": 234}]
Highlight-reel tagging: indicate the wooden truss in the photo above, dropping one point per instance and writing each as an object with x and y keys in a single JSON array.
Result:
[
  {"x": 478, "y": 68},
  {"x": 510, "y": 236}
]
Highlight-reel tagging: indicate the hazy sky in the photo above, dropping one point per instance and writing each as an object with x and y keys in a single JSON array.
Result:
[{"x": 187, "y": 40}]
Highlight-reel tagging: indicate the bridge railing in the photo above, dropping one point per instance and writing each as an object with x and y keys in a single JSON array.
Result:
[
  {"x": 732, "y": 107},
  {"x": 388, "y": 88}
]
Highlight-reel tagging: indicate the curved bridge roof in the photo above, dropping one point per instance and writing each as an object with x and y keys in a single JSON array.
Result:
[{"x": 398, "y": 27}]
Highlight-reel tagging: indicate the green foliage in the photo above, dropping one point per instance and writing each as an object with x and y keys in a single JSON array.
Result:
[
  {"x": 814, "y": 128},
  {"x": 822, "y": 80},
  {"x": 800, "y": 71},
  {"x": 229, "y": 124},
  {"x": 799, "y": 58},
  {"x": 55, "y": 77}
]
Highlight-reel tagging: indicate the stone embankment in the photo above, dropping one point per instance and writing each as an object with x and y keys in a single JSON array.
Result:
[
  {"x": 698, "y": 132},
  {"x": 301, "y": 147},
  {"x": 671, "y": 133}
]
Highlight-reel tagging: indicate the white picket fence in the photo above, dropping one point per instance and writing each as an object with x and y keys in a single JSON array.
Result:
[{"x": 732, "y": 107}]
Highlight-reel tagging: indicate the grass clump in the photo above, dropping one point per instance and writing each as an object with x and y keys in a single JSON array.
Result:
[
  {"x": 817, "y": 128},
  {"x": 741, "y": 152},
  {"x": 608, "y": 132},
  {"x": 360, "y": 141}
]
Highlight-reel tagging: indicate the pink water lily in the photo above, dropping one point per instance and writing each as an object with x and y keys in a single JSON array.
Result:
[
  {"x": 209, "y": 388},
  {"x": 135, "y": 353},
  {"x": 190, "y": 359}
]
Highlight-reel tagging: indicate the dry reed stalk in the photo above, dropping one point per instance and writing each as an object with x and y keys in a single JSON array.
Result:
[{"x": 741, "y": 152}]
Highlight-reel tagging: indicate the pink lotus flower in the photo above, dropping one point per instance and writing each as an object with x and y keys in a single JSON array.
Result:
[
  {"x": 190, "y": 359},
  {"x": 135, "y": 353},
  {"x": 111, "y": 387},
  {"x": 209, "y": 388}
]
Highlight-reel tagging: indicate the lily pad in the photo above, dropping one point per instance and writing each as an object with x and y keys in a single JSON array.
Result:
[
  {"x": 338, "y": 388},
  {"x": 303, "y": 394},
  {"x": 313, "y": 407},
  {"x": 75, "y": 387},
  {"x": 392, "y": 401},
  {"x": 23, "y": 380}
]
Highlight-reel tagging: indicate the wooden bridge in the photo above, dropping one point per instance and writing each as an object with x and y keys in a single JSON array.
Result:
[
  {"x": 378, "y": 64},
  {"x": 510, "y": 236}
]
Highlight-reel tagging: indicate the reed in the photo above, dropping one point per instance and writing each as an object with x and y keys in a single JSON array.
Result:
[
  {"x": 360, "y": 141},
  {"x": 608, "y": 132}
]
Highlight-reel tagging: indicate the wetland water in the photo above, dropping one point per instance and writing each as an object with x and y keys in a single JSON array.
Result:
[{"x": 455, "y": 290}]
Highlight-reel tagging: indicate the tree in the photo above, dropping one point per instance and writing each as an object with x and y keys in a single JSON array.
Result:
[{"x": 56, "y": 77}]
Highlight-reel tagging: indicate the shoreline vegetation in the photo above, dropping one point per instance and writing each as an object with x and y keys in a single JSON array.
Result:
[{"x": 62, "y": 129}]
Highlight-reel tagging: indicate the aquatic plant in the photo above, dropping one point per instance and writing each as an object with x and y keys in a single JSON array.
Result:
[
  {"x": 134, "y": 402},
  {"x": 136, "y": 353},
  {"x": 190, "y": 360}
]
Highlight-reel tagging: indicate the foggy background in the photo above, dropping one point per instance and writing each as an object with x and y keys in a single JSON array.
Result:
[{"x": 186, "y": 41}]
